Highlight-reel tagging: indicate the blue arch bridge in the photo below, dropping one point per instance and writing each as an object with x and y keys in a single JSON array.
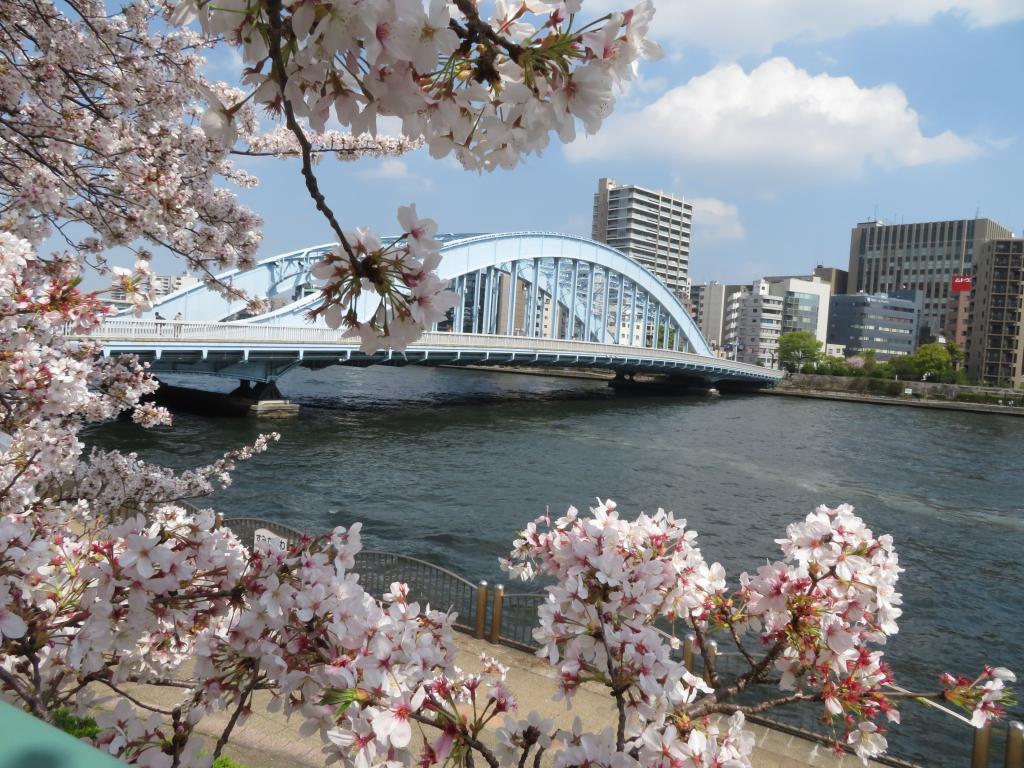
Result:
[{"x": 526, "y": 300}]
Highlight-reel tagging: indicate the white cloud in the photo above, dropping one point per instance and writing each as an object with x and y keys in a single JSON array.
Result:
[
  {"x": 715, "y": 219},
  {"x": 733, "y": 28},
  {"x": 779, "y": 119},
  {"x": 387, "y": 169},
  {"x": 391, "y": 169}
]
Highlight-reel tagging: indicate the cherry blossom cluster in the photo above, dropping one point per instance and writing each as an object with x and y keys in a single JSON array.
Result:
[
  {"x": 280, "y": 142},
  {"x": 819, "y": 613},
  {"x": 985, "y": 696},
  {"x": 101, "y": 139},
  {"x": 50, "y": 386},
  {"x": 398, "y": 277},
  {"x": 613, "y": 579},
  {"x": 491, "y": 91}
]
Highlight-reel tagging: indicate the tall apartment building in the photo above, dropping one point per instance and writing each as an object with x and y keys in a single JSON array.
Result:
[
  {"x": 889, "y": 257},
  {"x": 995, "y": 347},
  {"x": 887, "y": 324},
  {"x": 650, "y": 226},
  {"x": 753, "y": 324}
]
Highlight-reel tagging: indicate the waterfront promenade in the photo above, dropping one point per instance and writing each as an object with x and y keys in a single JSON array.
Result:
[
  {"x": 863, "y": 397},
  {"x": 271, "y": 741}
]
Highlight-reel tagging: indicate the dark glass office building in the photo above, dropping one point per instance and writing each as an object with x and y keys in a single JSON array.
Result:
[{"x": 886, "y": 323}]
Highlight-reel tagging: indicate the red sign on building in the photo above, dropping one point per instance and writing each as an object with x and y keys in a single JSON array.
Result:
[{"x": 961, "y": 283}]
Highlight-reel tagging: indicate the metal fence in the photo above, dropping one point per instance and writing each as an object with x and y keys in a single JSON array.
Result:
[
  {"x": 428, "y": 583},
  {"x": 510, "y": 618}
]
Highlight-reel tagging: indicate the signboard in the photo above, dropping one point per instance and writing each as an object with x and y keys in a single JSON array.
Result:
[
  {"x": 962, "y": 283},
  {"x": 271, "y": 543}
]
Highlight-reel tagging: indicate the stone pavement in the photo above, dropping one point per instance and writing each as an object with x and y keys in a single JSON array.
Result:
[{"x": 271, "y": 741}]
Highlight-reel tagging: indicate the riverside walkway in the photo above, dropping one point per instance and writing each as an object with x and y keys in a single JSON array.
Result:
[{"x": 271, "y": 741}]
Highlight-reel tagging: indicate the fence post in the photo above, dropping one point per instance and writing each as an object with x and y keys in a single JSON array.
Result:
[
  {"x": 499, "y": 601},
  {"x": 1015, "y": 745},
  {"x": 712, "y": 654},
  {"x": 481, "y": 610},
  {"x": 688, "y": 644},
  {"x": 979, "y": 752}
]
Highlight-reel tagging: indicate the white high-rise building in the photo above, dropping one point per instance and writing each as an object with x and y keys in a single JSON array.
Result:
[{"x": 650, "y": 226}]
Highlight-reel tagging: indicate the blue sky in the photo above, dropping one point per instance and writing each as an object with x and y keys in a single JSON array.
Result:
[{"x": 785, "y": 121}]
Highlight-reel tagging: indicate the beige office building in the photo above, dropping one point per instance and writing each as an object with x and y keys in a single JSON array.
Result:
[
  {"x": 885, "y": 258},
  {"x": 995, "y": 344},
  {"x": 650, "y": 226}
]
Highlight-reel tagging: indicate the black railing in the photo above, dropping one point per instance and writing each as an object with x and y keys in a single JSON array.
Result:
[
  {"x": 510, "y": 618},
  {"x": 428, "y": 583}
]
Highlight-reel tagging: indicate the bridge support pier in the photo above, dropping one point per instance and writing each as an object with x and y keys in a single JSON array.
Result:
[
  {"x": 266, "y": 398},
  {"x": 627, "y": 383}
]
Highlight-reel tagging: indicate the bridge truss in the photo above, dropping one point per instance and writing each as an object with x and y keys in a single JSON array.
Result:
[{"x": 525, "y": 298}]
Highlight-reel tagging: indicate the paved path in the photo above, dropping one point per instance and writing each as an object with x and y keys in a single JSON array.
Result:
[{"x": 271, "y": 741}]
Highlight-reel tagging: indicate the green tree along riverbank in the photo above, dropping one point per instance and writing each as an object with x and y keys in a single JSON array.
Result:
[{"x": 801, "y": 352}]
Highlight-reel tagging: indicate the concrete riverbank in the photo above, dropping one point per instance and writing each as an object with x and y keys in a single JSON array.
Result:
[
  {"x": 909, "y": 401},
  {"x": 271, "y": 741}
]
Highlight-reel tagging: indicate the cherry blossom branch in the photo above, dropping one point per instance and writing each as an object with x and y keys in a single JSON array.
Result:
[
  {"x": 281, "y": 75},
  {"x": 137, "y": 702},
  {"x": 32, "y": 701},
  {"x": 243, "y": 702},
  {"x": 705, "y": 652},
  {"x": 739, "y": 642},
  {"x": 466, "y": 736},
  {"x": 764, "y": 706}
]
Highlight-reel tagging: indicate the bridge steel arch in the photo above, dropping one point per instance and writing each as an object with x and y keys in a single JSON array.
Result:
[{"x": 531, "y": 284}]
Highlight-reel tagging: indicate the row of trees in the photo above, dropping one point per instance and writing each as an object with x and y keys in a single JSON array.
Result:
[{"x": 801, "y": 352}]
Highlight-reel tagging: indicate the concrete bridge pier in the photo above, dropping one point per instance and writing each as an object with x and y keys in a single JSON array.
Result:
[
  {"x": 266, "y": 398},
  {"x": 630, "y": 383}
]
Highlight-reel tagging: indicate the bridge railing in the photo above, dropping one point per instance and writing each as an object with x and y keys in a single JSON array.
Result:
[{"x": 168, "y": 333}]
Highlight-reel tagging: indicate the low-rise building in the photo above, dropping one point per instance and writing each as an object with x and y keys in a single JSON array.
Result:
[
  {"x": 834, "y": 350},
  {"x": 995, "y": 346},
  {"x": 885, "y": 323},
  {"x": 805, "y": 304}
]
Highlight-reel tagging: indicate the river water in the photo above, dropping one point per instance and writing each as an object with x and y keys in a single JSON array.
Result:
[{"x": 448, "y": 465}]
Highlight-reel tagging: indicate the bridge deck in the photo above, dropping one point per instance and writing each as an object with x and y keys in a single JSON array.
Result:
[{"x": 263, "y": 352}]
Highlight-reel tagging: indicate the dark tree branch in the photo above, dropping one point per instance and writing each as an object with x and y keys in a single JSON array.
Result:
[{"x": 281, "y": 75}]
